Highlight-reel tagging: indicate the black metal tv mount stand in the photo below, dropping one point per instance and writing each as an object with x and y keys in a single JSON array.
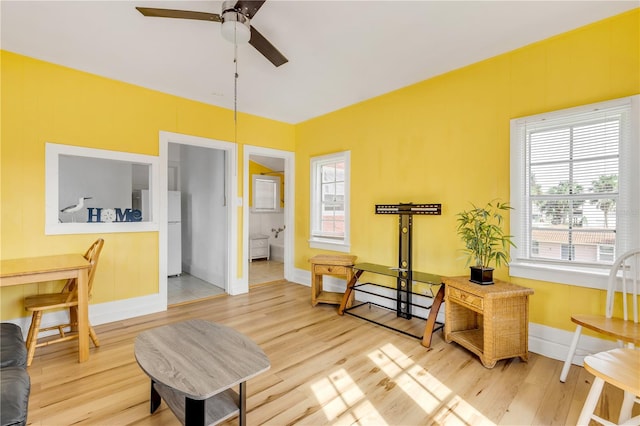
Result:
[{"x": 404, "y": 275}]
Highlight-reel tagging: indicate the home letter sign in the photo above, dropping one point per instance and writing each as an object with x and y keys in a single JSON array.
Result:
[{"x": 101, "y": 215}]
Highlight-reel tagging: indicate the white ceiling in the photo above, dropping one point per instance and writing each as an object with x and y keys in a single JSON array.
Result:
[
  {"x": 273, "y": 163},
  {"x": 340, "y": 52}
]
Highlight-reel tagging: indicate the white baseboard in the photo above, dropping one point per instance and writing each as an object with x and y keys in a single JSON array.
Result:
[
  {"x": 204, "y": 274},
  {"x": 554, "y": 343},
  {"x": 101, "y": 313},
  {"x": 129, "y": 308},
  {"x": 302, "y": 276}
]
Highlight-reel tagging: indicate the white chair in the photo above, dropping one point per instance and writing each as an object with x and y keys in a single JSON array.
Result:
[
  {"x": 620, "y": 368},
  {"x": 626, "y": 330}
]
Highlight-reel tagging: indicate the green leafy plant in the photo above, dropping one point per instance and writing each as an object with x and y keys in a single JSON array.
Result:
[{"x": 480, "y": 229}]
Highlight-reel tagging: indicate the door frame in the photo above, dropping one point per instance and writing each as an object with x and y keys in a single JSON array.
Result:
[
  {"x": 289, "y": 208},
  {"x": 232, "y": 284}
]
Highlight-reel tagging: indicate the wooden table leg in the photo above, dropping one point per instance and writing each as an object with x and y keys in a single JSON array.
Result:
[
  {"x": 352, "y": 293},
  {"x": 316, "y": 286},
  {"x": 83, "y": 315},
  {"x": 431, "y": 320},
  {"x": 347, "y": 298}
]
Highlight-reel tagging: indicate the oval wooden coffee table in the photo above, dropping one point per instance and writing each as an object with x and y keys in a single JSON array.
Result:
[{"x": 194, "y": 364}]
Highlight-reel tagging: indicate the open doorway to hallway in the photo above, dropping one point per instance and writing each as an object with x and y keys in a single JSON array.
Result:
[
  {"x": 196, "y": 223},
  {"x": 268, "y": 230}
]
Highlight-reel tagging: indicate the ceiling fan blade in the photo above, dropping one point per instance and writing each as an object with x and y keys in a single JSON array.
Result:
[
  {"x": 249, "y": 7},
  {"x": 267, "y": 49},
  {"x": 182, "y": 14}
]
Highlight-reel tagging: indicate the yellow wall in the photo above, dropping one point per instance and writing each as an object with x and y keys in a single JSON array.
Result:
[
  {"x": 446, "y": 140},
  {"x": 42, "y": 102}
]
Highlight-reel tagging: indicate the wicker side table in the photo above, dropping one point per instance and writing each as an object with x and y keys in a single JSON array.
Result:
[{"x": 492, "y": 321}]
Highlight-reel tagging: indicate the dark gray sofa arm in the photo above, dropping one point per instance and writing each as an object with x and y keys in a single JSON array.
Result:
[
  {"x": 14, "y": 379},
  {"x": 16, "y": 386},
  {"x": 13, "y": 351}
]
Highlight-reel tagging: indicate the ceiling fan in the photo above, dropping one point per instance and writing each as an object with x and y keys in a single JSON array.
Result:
[{"x": 235, "y": 19}]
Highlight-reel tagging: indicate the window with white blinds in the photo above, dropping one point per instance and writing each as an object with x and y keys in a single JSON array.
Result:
[{"x": 575, "y": 191}]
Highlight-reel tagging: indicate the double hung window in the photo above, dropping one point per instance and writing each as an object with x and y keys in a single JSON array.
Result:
[
  {"x": 575, "y": 191},
  {"x": 330, "y": 201}
]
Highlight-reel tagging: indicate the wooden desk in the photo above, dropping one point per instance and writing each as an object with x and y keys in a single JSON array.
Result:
[
  {"x": 52, "y": 268},
  {"x": 492, "y": 321},
  {"x": 330, "y": 264},
  {"x": 193, "y": 365}
]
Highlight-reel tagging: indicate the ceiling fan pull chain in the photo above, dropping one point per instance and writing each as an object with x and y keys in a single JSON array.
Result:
[{"x": 235, "y": 90}]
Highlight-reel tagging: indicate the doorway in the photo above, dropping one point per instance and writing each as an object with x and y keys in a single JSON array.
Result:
[
  {"x": 197, "y": 175},
  {"x": 197, "y": 220},
  {"x": 269, "y": 206}
]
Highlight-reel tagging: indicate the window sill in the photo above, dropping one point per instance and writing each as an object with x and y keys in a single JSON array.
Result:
[
  {"x": 330, "y": 245},
  {"x": 563, "y": 274},
  {"x": 99, "y": 228}
]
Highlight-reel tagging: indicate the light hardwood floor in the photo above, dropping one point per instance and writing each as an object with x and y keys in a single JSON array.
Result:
[
  {"x": 187, "y": 288},
  {"x": 264, "y": 271},
  {"x": 325, "y": 369}
]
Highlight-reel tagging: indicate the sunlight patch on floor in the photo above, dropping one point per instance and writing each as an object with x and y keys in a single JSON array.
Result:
[
  {"x": 338, "y": 393},
  {"x": 436, "y": 399},
  {"x": 343, "y": 402}
]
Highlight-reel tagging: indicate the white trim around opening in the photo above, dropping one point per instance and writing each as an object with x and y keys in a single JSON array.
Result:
[
  {"x": 233, "y": 285},
  {"x": 289, "y": 209}
]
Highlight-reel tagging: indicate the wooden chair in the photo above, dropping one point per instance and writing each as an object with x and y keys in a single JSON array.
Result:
[
  {"x": 67, "y": 298},
  {"x": 620, "y": 368},
  {"x": 626, "y": 272}
]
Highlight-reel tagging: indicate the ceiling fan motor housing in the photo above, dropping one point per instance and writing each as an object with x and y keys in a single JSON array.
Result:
[
  {"x": 236, "y": 27},
  {"x": 236, "y": 24}
]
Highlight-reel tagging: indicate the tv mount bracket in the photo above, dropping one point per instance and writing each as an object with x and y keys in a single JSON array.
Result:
[{"x": 404, "y": 285}]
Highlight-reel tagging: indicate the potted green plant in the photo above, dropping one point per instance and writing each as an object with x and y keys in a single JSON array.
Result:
[{"x": 480, "y": 229}]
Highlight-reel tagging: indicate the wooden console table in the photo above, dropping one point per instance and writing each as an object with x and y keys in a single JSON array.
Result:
[
  {"x": 492, "y": 321},
  {"x": 329, "y": 264}
]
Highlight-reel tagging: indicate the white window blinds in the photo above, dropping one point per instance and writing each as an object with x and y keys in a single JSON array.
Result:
[{"x": 575, "y": 184}]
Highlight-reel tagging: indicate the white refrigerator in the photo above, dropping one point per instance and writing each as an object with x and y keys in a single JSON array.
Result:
[{"x": 174, "y": 266}]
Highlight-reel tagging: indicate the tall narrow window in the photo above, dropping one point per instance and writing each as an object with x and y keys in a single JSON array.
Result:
[
  {"x": 330, "y": 202},
  {"x": 575, "y": 188}
]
